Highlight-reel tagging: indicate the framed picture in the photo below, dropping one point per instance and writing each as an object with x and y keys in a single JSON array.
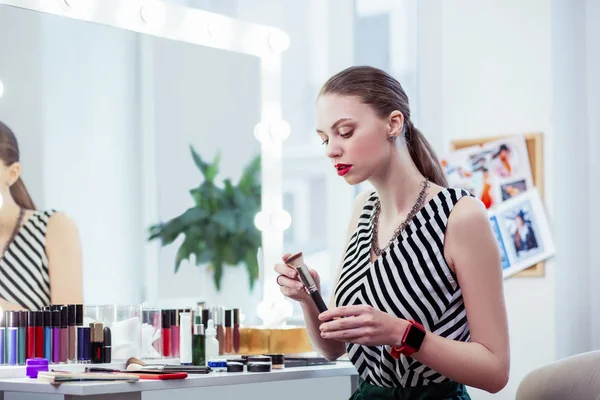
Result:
[
  {"x": 522, "y": 231},
  {"x": 534, "y": 146}
]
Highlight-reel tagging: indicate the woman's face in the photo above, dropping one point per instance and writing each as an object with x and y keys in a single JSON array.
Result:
[{"x": 354, "y": 135}]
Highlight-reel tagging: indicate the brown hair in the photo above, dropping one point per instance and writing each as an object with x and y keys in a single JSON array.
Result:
[
  {"x": 385, "y": 94},
  {"x": 9, "y": 154}
]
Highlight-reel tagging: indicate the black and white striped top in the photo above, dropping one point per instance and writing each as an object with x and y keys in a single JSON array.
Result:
[
  {"x": 24, "y": 275},
  {"x": 410, "y": 280}
]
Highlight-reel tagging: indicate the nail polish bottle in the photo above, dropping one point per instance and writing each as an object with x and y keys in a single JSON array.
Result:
[
  {"x": 38, "y": 318},
  {"x": 228, "y": 332},
  {"x": 30, "y": 334},
  {"x": 80, "y": 329},
  {"x": 2, "y": 339}
]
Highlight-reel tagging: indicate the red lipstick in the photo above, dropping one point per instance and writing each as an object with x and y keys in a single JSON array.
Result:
[{"x": 343, "y": 169}]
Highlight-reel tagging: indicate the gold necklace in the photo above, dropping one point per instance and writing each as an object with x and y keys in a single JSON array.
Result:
[{"x": 415, "y": 209}]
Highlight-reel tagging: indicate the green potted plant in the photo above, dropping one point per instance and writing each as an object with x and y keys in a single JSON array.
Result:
[{"x": 219, "y": 229}]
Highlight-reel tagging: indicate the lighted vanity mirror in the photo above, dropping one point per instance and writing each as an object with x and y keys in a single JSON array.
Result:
[{"x": 106, "y": 118}]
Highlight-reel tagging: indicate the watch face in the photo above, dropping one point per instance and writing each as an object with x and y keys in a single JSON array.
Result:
[{"x": 415, "y": 337}]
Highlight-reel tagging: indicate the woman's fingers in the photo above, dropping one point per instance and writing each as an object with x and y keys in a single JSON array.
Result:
[
  {"x": 284, "y": 281},
  {"x": 283, "y": 269}
]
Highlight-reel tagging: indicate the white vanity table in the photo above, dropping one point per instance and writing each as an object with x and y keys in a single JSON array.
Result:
[{"x": 335, "y": 381}]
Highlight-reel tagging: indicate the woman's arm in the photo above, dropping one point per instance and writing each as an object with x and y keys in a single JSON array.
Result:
[
  {"x": 6, "y": 306},
  {"x": 331, "y": 349},
  {"x": 471, "y": 249},
  {"x": 63, "y": 249}
]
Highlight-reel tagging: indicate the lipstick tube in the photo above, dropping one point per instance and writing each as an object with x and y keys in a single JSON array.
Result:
[
  {"x": 22, "y": 337},
  {"x": 97, "y": 342},
  {"x": 107, "y": 346},
  {"x": 2, "y": 340},
  {"x": 30, "y": 334},
  {"x": 296, "y": 261},
  {"x": 12, "y": 337},
  {"x": 64, "y": 334},
  {"x": 72, "y": 333},
  {"x": 166, "y": 333},
  {"x": 217, "y": 314},
  {"x": 55, "y": 336},
  {"x": 228, "y": 332},
  {"x": 38, "y": 318},
  {"x": 47, "y": 319},
  {"x": 236, "y": 330},
  {"x": 175, "y": 333}
]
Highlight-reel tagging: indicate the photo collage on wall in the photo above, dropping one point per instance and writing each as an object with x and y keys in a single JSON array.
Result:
[{"x": 499, "y": 174}]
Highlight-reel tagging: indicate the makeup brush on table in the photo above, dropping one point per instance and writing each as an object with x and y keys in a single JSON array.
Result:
[
  {"x": 296, "y": 261},
  {"x": 135, "y": 364}
]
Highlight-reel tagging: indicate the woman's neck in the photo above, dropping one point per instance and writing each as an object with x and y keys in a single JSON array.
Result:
[
  {"x": 9, "y": 213},
  {"x": 398, "y": 185}
]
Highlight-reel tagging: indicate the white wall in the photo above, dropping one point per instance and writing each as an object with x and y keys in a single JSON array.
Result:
[{"x": 485, "y": 69}]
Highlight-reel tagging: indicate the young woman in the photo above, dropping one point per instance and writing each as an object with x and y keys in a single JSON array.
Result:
[
  {"x": 40, "y": 259},
  {"x": 418, "y": 303}
]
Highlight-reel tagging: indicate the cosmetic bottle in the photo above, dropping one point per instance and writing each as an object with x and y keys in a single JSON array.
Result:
[
  {"x": 198, "y": 343},
  {"x": 84, "y": 344},
  {"x": 2, "y": 339},
  {"x": 107, "y": 345},
  {"x": 47, "y": 318},
  {"x": 228, "y": 333},
  {"x": 175, "y": 333},
  {"x": 80, "y": 331},
  {"x": 64, "y": 334},
  {"x": 236, "y": 330},
  {"x": 185, "y": 338},
  {"x": 72, "y": 334},
  {"x": 12, "y": 337},
  {"x": 218, "y": 321},
  {"x": 166, "y": 333},
  {"x": 39, "y": 333},
  {"x": 97, "y": 342},
  {"x": 205, "y": 317},
  {"x": 30, "y": 334},
  {"x": 55, "y": 336},
  {"x": 212, "y": 344},
  {"x": 22, "y": 337}
]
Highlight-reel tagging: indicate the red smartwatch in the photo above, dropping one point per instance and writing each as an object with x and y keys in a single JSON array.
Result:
[{"x": 411, "y": 342}]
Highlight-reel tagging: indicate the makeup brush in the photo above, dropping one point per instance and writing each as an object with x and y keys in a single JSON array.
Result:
[
  {"x": 135, "y": 364},
  {"x": 296, "y": 261}
]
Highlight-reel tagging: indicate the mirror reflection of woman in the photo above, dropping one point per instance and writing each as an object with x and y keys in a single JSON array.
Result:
[{"x": 40, "y": 251}]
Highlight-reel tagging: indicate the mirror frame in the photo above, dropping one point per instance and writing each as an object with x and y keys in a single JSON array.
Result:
[{"x": 186, "y": 24}]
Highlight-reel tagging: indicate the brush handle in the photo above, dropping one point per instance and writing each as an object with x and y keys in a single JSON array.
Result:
[{"x": 318, "y": 300}]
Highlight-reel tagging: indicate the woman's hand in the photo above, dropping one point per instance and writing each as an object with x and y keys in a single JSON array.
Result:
[
  {"x": 290, "y": 283},
  {"x": 362, "y": 324}
]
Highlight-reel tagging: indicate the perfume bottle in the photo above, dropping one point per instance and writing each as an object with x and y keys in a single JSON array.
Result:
[{"x": 198, "y": 342}]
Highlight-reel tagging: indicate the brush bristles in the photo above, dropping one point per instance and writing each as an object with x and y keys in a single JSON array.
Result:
[{"x": 295, "y": 260}]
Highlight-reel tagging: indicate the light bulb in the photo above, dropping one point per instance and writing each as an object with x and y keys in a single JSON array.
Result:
[
  {"x": 261, "y": 220},
  {"x": 280, "y": 130},
  {"x": 1, "y": 88},
  {"x": 279, "y": 41},
  {"x": 261, "y": 132},
  {"x": 281, "y": 220},
  {"x": 153, "y": 13}
]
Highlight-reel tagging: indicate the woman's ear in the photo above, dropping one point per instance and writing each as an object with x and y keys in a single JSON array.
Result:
[
  {"x": 396, "y": 124},
  {"x": 14, "y": 172}
]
